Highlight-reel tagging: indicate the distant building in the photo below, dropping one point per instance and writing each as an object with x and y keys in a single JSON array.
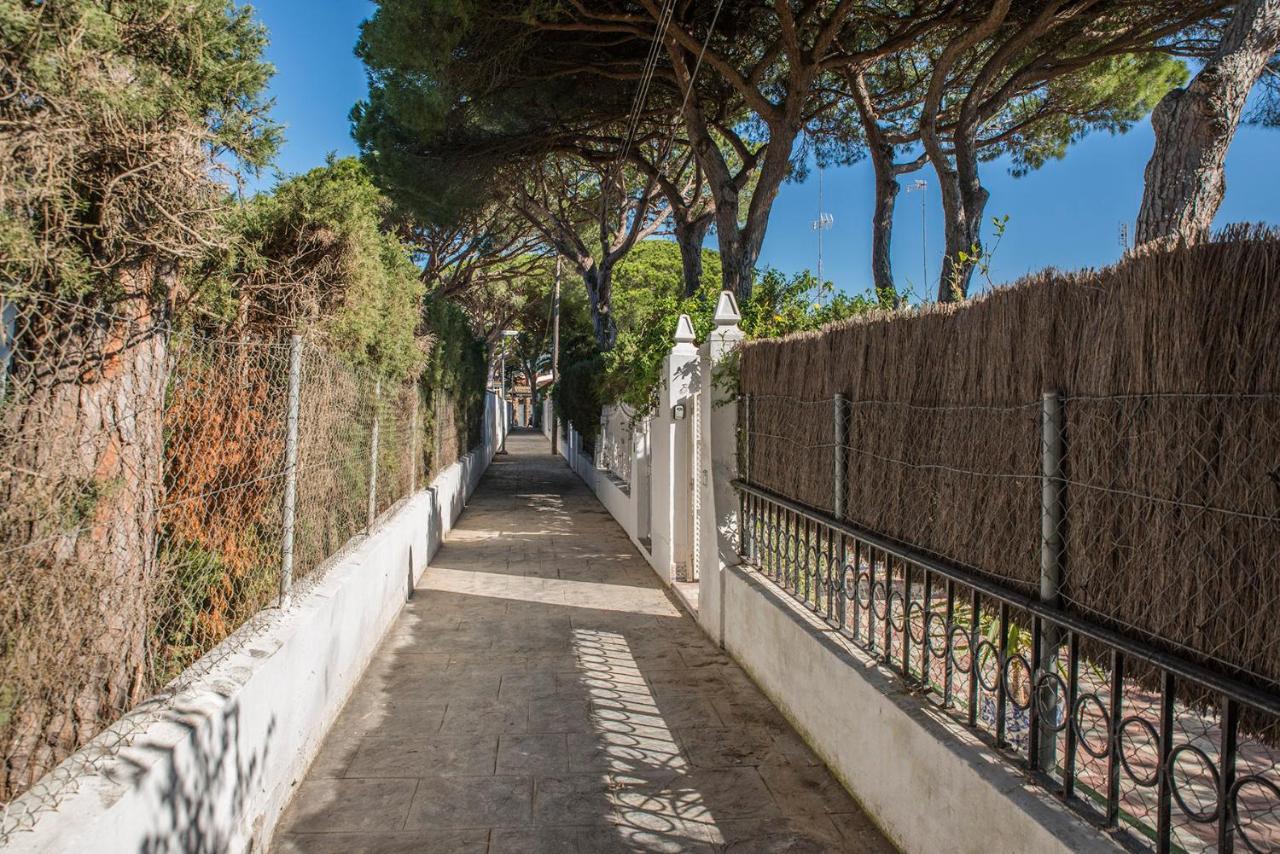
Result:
[{"x": 523, "y": 412}]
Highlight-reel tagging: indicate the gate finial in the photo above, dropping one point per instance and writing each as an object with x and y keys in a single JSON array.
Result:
[
  {"x": 684, "y": 330},
  {"x": 727, "y": 313}
]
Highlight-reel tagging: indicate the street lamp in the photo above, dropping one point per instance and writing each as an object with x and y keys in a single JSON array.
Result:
[
  {"x": 507, "y": 334},
  {"x": 555, "y": 359}
]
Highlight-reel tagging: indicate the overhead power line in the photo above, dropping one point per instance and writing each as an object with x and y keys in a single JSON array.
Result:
[
  {"x": 637, "y": 103},
  {"x": 642, "y": 94},
  {"x": 646, "y": 80},
  {"x": 693, "y": 79}
]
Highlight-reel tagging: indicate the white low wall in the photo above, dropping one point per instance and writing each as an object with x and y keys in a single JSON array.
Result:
[
  {"x": 212, "y": 767},
  {"x": 621, "y": 505},
  {"x": 926, "y": 780}
]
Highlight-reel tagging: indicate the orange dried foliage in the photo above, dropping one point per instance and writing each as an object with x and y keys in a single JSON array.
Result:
[{"x": 224, "y": 450}]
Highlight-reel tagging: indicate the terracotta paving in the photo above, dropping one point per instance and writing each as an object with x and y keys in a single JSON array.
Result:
[{"x": 542, "y": 692}]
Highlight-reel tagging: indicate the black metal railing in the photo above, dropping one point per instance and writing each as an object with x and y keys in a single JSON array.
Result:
[{"x": 1164, "y": 753}]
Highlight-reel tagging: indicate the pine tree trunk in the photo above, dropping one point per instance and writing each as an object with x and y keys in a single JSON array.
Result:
[
  {"x": 738, "y": 275},
  {"x": 1194, "y": 128},
  {"x": 535, "y": 411},
  {"x": 964, "y": 201},
  {"x": 887, "y": 189},
  {"x": 690, "y": 237},
  {"x": 737, "y": 267},
  {"x": 82, "y": 441},
  {"x": 740, "y": 244},
  {"x": 599, "y": 282},
  {"x": 887, "y": 186},
  {"x": 740, "y": 254},
  {"x": 961, "y": 234}
]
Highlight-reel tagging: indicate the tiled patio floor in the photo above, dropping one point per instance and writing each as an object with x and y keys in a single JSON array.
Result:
[{"x": 542, "y": 692}]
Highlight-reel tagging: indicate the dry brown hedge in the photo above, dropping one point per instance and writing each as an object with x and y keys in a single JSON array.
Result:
[{"x": 1170, "y": 365}]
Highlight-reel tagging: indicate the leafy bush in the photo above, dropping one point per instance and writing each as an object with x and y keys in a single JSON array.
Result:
[
  {"x": 113, "y": 118},
  {"x": 648, "y": 304},
  {"x": 318, "y": 253},
  {"x": 315, "y": 254},
  {"x": 579, "y": 395},
  {"x": 452, "y": 383},
  {"x": 778, "y": 306}
]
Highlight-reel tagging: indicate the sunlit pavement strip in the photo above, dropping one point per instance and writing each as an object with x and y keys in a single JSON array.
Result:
[{"x": 542, "y": 692}]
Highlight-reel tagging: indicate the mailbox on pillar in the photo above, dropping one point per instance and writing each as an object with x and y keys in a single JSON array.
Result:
[{"x": 678, "y": 412}]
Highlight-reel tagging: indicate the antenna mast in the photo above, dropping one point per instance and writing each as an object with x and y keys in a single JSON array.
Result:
[{"x": 821, "y": 224}]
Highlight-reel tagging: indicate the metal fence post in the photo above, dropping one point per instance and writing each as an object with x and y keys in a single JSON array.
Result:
[
  {"x": 1052, "y": 517},
  {"x": 8, "y": 332},
  {"x": 839, "y": 463},
  {"x": 748, "y": 525},
  {"x": 838, "y": 456},
  {"x": 290, "y": 470},
  {"x": 373, "y": 455}
]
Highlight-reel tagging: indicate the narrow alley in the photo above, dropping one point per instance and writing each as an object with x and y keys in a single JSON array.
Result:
[{"x": 543, "y": 692}]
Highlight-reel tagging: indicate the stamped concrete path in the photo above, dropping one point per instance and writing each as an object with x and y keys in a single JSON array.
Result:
[{"x": 542, "y": 692}]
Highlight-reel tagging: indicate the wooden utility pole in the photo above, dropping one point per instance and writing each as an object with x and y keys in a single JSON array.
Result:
[{"x": 555, "y": 357}]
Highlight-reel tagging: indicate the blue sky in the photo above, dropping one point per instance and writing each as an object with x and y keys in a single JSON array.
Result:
[{"x": 1066, "y": 215}]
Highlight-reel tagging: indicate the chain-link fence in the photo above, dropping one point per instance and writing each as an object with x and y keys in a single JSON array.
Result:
[{"x": 161, "y": 488}]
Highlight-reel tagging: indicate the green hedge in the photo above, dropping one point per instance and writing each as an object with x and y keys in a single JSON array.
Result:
[
  {"x": 455, "y": 368},
  {"x": 579, "y": 395}
]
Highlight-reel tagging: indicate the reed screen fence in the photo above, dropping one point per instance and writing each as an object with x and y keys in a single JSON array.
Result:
[
  {"x": 1057, "y": 511},
  {"x": 1166, "y": 531},
  {"x": 1136, "y": 728}
]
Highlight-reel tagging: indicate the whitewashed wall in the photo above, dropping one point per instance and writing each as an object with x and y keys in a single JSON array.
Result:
[{"x": 212, "y": 767}]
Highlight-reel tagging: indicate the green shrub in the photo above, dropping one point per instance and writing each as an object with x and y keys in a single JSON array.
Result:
[
  {"x": 579, "y": 395},
  {"x": 778, "y": 306},
  {"x": 452, "y": 383}
]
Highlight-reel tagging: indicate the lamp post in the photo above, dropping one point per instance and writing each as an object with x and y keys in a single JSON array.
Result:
[
  {"x": 507, "y": 334},
  {"x": 556, "y": 357}
]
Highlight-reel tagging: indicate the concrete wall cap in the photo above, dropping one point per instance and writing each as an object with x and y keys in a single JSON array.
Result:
[
  {"x": 727, "y": 313},
  {"x": 684, "y": 330}
]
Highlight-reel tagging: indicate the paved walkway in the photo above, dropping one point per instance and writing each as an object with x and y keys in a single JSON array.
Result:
[{"x": 542, "y": 692}]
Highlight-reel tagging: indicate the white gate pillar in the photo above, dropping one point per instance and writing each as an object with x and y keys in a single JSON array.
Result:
[
  {"x": 641, "y": 487},
  {"x": 669, "y": 438},
  {"x": 718, "y": 463}
]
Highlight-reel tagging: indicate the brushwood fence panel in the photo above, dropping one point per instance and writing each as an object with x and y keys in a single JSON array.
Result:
[
  {"x": 1171, "y": 390},
  {"x": 1056, "y": 512}
]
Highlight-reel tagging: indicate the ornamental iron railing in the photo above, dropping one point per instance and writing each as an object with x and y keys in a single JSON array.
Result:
[{"x": 1164, "y": 751}]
